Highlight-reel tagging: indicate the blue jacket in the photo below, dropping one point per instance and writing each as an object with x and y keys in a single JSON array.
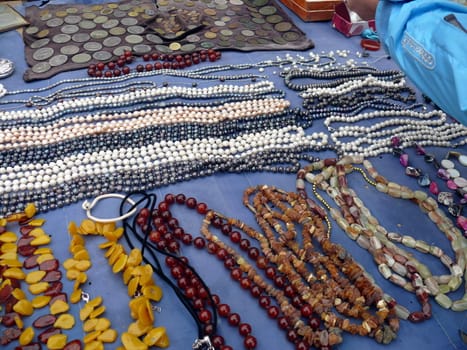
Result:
[{"x": 428, "y": 40}]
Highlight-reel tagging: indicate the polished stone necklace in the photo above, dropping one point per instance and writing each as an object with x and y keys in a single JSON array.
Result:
[{"x": 395, "y": 262}]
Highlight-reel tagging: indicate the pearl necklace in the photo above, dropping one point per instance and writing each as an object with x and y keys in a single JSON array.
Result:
[
  {"x": 394, "y": 263},
  {"x": 134, "y": 97},
  {"x": 424, "y": 128},
  {"x": 93, "y": 124}
]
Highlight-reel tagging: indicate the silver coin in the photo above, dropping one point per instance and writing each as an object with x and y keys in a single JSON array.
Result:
[
  {"x": 71, "y": 10},
  {"x": 110, "y": 23},
  {"x": 92, "y": 46},
  {"x": 188, "y": 48},
  {"x": 119, "y": 13},
  {"x": 46, "y": 16},
  {"x": 41, "y": 67},
  {"x": 80, "y": 37},
  {"x": 99, "y": 34},
  {"x": 61, "y": 38},
  {"x": 40, "y": 43},
  {"x": 54, "y": 22},
  {"x": 193, "y": 38},
  {"x": 124, "y": 7},
  {"x": 117, "y": 31},
  {"x": 129, "y": 21},
  {"x": 135, "y": 29},
  {"x": 86, "y": 24},
  {"x": 163, "y": 49},
  {"x": 69, "y": 29},
  {"x": 112, "y": 41},
  {"x": 141, "y": 48},
  {"x": 31, "y": 30},
  {"x": 134, "y": 39},
  {"x": 81, "y": 58},
  {"x": 154, "y": 38},
  {"x": 58, "y": 60},
  {"x": 121, "y": 50},
  {"x": 102, "y": 56},
  {"x": 89, "y": 15},
  {"x": 100, "y": 19},
  {"x": 43, "y": 53},
  {"x": 73, "y": 19},
  {"x": 69, "y": 50},
  {"x": 106, "y": 11}
]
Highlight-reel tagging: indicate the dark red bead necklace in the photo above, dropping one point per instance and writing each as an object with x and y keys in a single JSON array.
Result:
[{"x": 152, "y": 62}]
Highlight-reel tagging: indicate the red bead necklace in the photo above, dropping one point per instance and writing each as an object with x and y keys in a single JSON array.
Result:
[{"x": 161, "y": 61}]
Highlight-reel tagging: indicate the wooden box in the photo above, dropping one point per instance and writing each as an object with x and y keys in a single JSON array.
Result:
[{"x": 312, "y": 10}]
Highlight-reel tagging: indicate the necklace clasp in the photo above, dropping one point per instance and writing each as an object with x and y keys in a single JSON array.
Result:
[{"x": 88, "y": 207}]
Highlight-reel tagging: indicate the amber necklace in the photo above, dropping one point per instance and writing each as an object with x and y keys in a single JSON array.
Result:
[{"x": 395, "y": 263}]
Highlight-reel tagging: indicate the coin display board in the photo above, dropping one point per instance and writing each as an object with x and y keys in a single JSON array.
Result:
[{"x": 67, "y": 37}]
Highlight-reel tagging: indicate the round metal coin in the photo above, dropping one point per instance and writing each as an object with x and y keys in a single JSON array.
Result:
[
  {"x": 71, "y": 10},
  {"x": 58, "y": 60},
  {"x": 31, "y": 30},
  {"x": 81, "y": 58},
  {"x": 40, "y": 43},
  {"x": 141, "y": 48},
  {"x": 69, "y": 29},
  {"x": 61, "y": 38},
  {"x": 163, "y": 49},
  {"x": 273, "y": 19},
  {"x": 61, "y": 13},
  {"x": 175, "y": 46},
  {"x": 134, "y": 39},
  {"x": 283, "y": 26},
  {"x": 291, "y": 36},
  {"x": 117, "y": 31},
  {"x": 267, "y": 10},
  {"x": 236, "y": 2},
  {"x": 99, "y": 34},
  {"x": 41, "y": 67},
  {"x": 102, "y": 55},
  {"x": 80, "y": 37},
  {"x": 106, "y": 11},
  {"x": 46, "y": 16},
  {"x": 69, "y": 50},
  {"x": 86, "y": 24},
  {"x": 135, "y": 29},
  {"x": 154, "y": 38},
  {"x": 121, "y": 50},
  {"x": 110, "y": 23},
  {"x": 100, "y": 19},
  {"x": 43, "y": 53},
  {"x": 72, "y": 19},
  {"x": 43, "y": 33},
  {"x": 128, "y": 21},
  {"x": 92, "y": 46},
  {"x": 111, "y": 41},
  {"x": 119, "y": 14},
  {"x": 89, "y": 15},
  {"x": 188, "y": 48}
]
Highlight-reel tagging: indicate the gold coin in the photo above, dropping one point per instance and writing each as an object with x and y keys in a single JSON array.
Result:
[
  {"x": 43, "y": 33},
  {"x": 210, "y": 35},
  {"x": 61, "y": 14},
  {"x": 133, "y": 14},
  {"x": 97, "y": 8},
  {"x": 112, "y": 6},
  {"x": 175, "y": 46},
  {"x": 210, "y": 12}
]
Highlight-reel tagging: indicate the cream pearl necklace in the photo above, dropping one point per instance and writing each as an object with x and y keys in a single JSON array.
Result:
[{"x": 395, "y": 263}]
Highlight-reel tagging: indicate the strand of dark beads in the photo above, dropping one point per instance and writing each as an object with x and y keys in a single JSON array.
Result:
[
  {"x": 149, "y": 135},
  {"x": 339, "y": 75},
  {"x": 274, "y": 160},
  {"x": 170, "y": 234}
]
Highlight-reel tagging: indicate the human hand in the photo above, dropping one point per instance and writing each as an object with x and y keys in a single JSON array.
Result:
[{"x": 366, "y": 9}]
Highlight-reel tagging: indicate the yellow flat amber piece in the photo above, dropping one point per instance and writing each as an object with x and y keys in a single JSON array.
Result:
[
  {"x": 163, "y": 341},
  {"x": 108, "y": 226},
  {"x": 146, "y": 276},
  {"x": 43, "y": 250},
  {"x": 36, "y": 222},
  {"x": 11, "y": 262},
  {"x": 38, "y": 231},
  {"x": 145, "y": 313},
  {"x": 23, "y": 307},
  {"x": 75, "y": 296},
  {"x": 116, "y": 254},
  {"x": 9, "y": 247},
  {"x": 8, "y": 237},
  {"x": 82, "y": 255},
  {"x": 45, "y": 257},
  {"x": 40, "y": 301},
  {"x": 138, "y": 329},
  {"x": 118, "y": 232},
  {"x": 35, "y": 276},
  {"x": 152, "y": 292},
  {"x": 97, "y": 312},
  {"x": 108, "y": 336},
  {"x": 77, "y": 240},
  {"x": 106, "y": 245},
  {"x": 90, "y": 337},
  {"x": 110, "y": 236},
  {"x": 69, "y": 263},
  {"x": 39, "y": 287},
  {"x": 82, "y": 277},
  {"x": 40, "y": 240},
  {"x": 120, "y": 263},
  {"x": 127, "y": 274},
  {"x": 95, "y": 302},
  {"x": 88, "y": 226},
  {"x": 135, "y": 304},
  {"x": 26, "y": 336},
  {"x": 85, "y": 312},
  {"x": 57, "y": 341},
  {"x": 90, "y": 325},
  {"x": 111, "y": 249},
  {"x": 130, "y": 342},
  {"x": 154, "y": 336},
  {"x": 65, "y": 321},
  {"x": 83, "y": 265},
  {"x": 72, "y": 228},
  {"x": 19, "y": 322},
  {"x": 94, "y": 345},
  {"x": 14, "y": 272},
  {"x": 72, "y": 274},
  {"x": 133, "y": 286},
  {"x": 30, "y": 210},
  {"x": 18, "y": 294},
  {"x": 135, "y": 258},
  {"x": 102, "y": 324},
  {"x": 9, "y": 256},
  {"x": 58, "y": 307}
]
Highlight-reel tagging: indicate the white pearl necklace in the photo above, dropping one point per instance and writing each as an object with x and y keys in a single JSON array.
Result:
[
  {"x": 369, "y": 140},
  {"x": 93, "y": 124},
  {"x": 41, "y": 176},
  {"x": 137, "y": 96}
]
